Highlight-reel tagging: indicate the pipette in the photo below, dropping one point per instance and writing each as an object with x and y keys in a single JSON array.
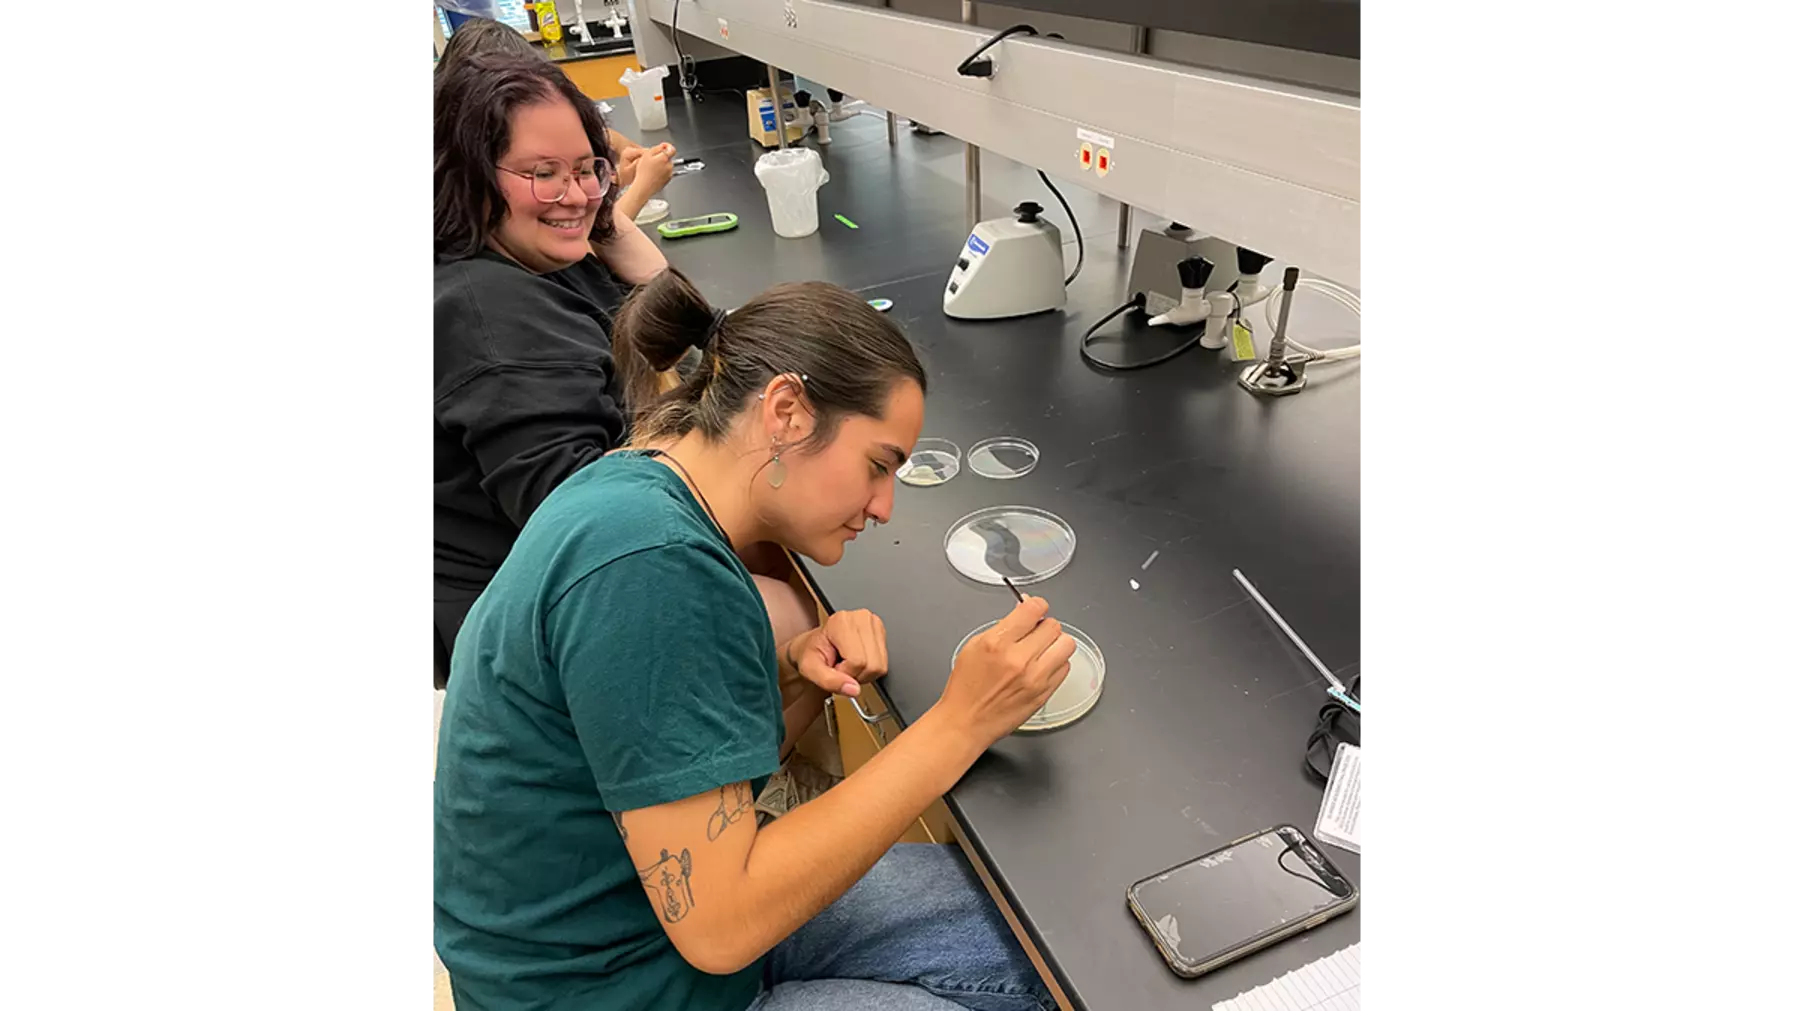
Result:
[{"x": 1338, "y": 690}]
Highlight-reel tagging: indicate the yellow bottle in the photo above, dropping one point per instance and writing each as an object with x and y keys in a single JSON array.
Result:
[{"x": 548, "y": 21}]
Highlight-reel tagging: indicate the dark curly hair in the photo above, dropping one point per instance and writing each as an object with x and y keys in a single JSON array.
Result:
[
  {"x": 483, "y": 36},
  {"x": 475, "y": 99}
]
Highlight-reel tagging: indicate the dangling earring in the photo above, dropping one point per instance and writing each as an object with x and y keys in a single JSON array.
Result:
[{"x": 775, "y": 474}]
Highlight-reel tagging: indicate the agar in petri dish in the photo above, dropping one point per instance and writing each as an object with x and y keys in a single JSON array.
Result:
[
  {"x": 1003, "y": 457},
  {"x": 931, "y": 462},
  {"x": 1022, "y": 543},
  {"x": 1076, "y": 695}
]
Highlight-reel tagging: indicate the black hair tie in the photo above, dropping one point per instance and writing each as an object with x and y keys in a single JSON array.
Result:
[{"x": 716, "y": 322}]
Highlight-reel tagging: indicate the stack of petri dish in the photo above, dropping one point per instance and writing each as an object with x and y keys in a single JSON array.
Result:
[{"x": 1018, "y": 543}]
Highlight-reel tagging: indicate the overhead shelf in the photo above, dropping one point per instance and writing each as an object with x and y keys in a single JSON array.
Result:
[{"x": 1267, "y": 165}]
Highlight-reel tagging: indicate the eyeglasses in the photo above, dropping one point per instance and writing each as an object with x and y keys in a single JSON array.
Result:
[{"x": 549, "y": 180}]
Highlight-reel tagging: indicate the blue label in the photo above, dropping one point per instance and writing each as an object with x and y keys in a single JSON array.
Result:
[
  {"x": 976, "y": 245},
  {"x": 768, "y": 119}
]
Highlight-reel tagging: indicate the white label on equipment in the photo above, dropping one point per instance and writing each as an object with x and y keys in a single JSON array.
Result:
[
  {"x": 1091, "y": 136},
  {"x": 1338, "y": 822},
  {"x": 722, "y": 28}
]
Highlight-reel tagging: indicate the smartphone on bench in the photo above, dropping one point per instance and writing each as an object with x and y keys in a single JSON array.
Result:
[
  {"x": 1225, "y": 905},
  {"x": 701, "y": 225}
]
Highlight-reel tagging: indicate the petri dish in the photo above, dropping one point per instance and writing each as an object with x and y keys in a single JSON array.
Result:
[
  {"x": 1021, "y": 542},
  {"x": 1003, "y": 457},
  {"x": 931, "y": 462},
  {"x": 651, "y": 211},
  {"x": 1076, "y": 695}
]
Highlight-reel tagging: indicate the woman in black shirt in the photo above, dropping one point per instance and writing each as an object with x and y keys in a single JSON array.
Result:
[
  {"x": 643, "y": 170},
  {"x": 531, "y": 268}
]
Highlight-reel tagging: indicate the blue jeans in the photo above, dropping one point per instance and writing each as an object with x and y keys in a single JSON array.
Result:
[{"x": 917, "y": 933}]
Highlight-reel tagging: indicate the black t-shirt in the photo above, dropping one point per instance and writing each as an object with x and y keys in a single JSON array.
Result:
[{"x": 526, "y": 393}]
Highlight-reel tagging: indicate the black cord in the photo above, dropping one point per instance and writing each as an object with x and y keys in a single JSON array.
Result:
[
  {"x": 1075, "y": 230},
  {"x": 1287, "y": 850},
  {"x": 1137, "y": 302},
  {"x": 1326, "y": 736},
  {"x": 985, "y": 68},
  {"x": 688, "y": 67}
]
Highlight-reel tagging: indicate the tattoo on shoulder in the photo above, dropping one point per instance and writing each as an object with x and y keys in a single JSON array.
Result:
[
  {"x": 732, "y": 804},
  {"x": 669, "y": 881},
  {"x": 617, "y": 816}
]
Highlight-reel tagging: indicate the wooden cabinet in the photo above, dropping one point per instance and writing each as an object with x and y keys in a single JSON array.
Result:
[
  {"x": 859, "y": 740},
  {"x": 597, "y": 78}
]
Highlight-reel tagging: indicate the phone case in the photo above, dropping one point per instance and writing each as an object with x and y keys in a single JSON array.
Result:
[
  {"x": 1190, "y": 970},
  {"x": 697, "y": 225}
]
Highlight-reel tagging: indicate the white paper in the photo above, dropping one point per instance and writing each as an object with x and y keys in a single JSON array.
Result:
[
  {"x": 1338, "y": 821},
  {"x": 1327, "y": 984},
  {"x": 1099, "y": 139}
]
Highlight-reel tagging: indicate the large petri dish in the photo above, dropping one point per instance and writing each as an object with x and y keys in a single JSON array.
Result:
[
  {"x": 931, "y": 462},
  {"x": 1076, "y": 695},
  {"x": 1022, "y": 543},
  {"x": 1002, "y": 457}
]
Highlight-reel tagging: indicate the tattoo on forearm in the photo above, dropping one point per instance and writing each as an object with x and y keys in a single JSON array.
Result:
[
  {"x": 669, "y": 880},
  {"x": 732, "y": 804},
  {"x": 617, "y": 816}
]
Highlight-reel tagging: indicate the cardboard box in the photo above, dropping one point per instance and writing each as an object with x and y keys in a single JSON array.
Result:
[{"x": 763, "y": 122}]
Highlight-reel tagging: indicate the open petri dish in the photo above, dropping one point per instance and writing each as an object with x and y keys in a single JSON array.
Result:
[
  {"x": 1022, "y": 543},
  {"x": 931, "y": 462},
  {"x": 651, "y": 211},
  {"x": 1076, "y": 695},
  {"x": 1003, "y": 457}
]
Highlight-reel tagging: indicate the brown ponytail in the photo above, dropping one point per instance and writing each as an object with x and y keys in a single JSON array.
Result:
[{"x": 850, "y": 354}]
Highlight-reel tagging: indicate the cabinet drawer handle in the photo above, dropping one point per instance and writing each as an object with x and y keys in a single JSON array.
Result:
[
  {"x": 868, "y": 717},
  {"x": 875, "y": 722}
]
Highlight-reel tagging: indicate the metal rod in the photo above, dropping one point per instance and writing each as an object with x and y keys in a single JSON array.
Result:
[
  {"x": 778, "y": 107},
  {"x": 968, "y": 14},
  {"x": 974, "y": 185},
  {"x": 1278, "y": 341},
  {"x": 1124, "y": 221},
  {"x": 1293, "y": 637},
  {"x": 890, "y": 117}
]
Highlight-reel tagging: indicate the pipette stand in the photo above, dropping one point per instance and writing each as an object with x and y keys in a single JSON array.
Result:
[
  {"x": 1281, "y": 373},
  {"x": 1278, "y": 378}
]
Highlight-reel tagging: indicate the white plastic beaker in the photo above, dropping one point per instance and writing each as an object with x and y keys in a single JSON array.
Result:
[
  {"x": 646, "y": 95},
  {"x": 791, "y": 178}
]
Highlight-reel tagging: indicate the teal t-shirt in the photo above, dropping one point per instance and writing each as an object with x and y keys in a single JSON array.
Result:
[{"x": 621, "y": 658}]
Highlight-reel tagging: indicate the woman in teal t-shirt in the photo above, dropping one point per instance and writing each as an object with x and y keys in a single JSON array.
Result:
[{"x": 618, "y": 698}]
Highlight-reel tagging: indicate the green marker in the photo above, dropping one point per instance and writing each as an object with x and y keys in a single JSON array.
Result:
[
  {"x": 720, "y": 222},
  {"x": 846, "y": 222}
]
